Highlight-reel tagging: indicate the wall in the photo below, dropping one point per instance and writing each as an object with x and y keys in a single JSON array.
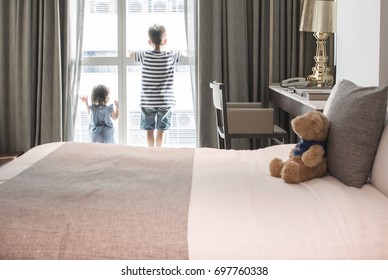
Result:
[
  {"x": 384, "y": 43},
  {"x": 361, "y": 41}
]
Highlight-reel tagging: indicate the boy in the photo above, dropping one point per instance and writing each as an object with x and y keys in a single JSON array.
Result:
[{"x": 157, "y": 95}]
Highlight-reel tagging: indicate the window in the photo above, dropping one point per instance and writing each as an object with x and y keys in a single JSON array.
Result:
[{"x": 112, "y": 29}]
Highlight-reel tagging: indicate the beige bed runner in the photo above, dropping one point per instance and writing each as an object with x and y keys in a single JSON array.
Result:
[{"x": 99, "y": 201}]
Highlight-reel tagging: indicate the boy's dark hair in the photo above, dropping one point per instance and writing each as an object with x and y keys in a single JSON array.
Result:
[
  {"x": 99, "y": 94},
  {"x": 156, "y": 33}
]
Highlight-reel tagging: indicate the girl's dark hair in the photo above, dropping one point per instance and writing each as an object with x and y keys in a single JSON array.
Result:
[
  {"x": 99, "y": 94},
  {"x": 156, "y": 33}
]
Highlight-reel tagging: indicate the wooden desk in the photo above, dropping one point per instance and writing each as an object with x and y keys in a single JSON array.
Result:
[{"x": 292, "y": 103}]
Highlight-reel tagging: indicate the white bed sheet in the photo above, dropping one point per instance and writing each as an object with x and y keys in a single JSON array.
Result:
[{"x": 238, "y": 211}]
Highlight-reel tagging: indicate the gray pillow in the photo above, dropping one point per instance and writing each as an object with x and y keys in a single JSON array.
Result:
[{"x": 356, "y": 116}]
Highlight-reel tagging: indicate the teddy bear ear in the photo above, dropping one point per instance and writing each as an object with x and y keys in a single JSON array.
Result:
[
  {"x": 296, "y": 118},
  {"x": 317, "y": 119},
  {"x": 319, "y": 122}
]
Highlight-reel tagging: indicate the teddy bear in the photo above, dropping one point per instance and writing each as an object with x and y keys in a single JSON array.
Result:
[{"x": 307, "y": 160}]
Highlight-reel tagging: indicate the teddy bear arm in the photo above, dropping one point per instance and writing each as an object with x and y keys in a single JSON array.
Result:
[
  {"x": 313, "y": 156},
  {"x": 291, "y": 154}
]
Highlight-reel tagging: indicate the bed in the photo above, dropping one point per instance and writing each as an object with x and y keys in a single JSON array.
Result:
[
  {"x": 99, "y": 201},
  {"x": 93, "y": 201}
]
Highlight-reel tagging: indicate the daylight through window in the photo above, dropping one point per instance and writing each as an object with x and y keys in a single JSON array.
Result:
[{"x": 112, "y": 29}]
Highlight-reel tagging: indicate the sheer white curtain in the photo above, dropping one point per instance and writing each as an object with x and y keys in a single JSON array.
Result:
[
  {"x": 192, "y": 38},
  {"x": 74, "y": 61}
]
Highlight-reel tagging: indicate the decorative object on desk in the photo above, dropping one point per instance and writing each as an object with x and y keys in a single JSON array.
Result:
[
  {"x": 307, "y": 160},
  {"x": 320, "y": 17},
  {"x": 314, "y": 93}
]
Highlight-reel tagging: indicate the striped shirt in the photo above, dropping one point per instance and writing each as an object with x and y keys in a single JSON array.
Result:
[{"x": 157, "y": 77}]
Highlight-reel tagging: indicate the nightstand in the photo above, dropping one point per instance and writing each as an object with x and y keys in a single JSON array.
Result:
[{"x": 6, "y": 157}]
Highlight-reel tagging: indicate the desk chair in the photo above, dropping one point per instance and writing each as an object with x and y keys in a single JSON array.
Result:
[{"x": 243, "y": 120}]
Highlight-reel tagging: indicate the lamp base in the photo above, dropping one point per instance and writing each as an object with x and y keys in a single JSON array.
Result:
[{"x": 321, "y": 73}]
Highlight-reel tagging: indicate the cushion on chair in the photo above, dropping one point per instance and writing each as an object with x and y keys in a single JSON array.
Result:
[
  {"x": 244, "y": 105},
  {"x": 250, "y": 120}
]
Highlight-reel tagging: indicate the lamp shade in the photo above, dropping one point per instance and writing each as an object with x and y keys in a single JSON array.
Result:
[{"x": 319, "y": 16}]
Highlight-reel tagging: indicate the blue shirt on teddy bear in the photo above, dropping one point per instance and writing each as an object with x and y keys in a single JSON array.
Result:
[{"x": 304, "y": 145}]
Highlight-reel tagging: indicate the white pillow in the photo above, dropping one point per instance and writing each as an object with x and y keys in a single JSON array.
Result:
[
  {"x": 332, "y": 93},
  {"x": 379, "y": 174}
]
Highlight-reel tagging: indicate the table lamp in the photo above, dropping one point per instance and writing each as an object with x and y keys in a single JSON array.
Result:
[{"x": 319, "y": 17}]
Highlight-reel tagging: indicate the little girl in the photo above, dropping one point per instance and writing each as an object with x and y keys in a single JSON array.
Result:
[{"x": 101, "y": 125}]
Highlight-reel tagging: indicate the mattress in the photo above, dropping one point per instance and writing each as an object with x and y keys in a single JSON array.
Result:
[{"x": 180, "y": 203}]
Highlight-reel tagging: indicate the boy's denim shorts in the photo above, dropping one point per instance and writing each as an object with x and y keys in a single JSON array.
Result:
[{"x": 155, "y": 118}]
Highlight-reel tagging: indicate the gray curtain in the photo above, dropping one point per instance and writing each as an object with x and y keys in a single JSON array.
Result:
[
  {"x": 233, "y": 38},
  {"x": 39, "y": 71},
  {"x": 233, "y": 45}
]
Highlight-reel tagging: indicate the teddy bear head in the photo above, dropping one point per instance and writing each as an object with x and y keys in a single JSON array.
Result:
[{"x": 312, "y": 126}]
